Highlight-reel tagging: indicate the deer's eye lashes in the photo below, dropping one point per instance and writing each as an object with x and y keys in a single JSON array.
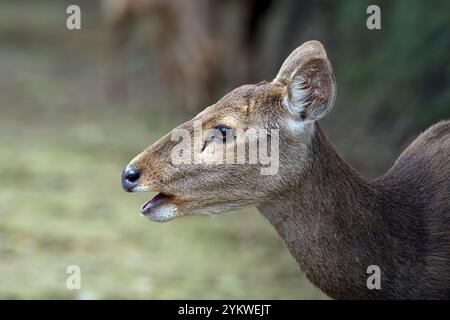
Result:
[{"x": 224, "y": 132}]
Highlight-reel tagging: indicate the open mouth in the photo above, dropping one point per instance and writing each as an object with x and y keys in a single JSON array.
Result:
[
  {"x": 159, "y": 208},
  {"x": 152, "y": 204}
]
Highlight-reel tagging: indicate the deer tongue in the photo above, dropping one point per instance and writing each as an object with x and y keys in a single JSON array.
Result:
[{"x": 154, "y": 202}]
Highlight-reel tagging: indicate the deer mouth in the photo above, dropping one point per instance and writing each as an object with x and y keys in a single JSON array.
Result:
[{"x": 159, "y": 208}]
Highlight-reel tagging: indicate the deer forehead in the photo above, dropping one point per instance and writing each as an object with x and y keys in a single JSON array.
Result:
[
  {"x": 208, "y": 119},
  {"x": 246, "y": 106}
]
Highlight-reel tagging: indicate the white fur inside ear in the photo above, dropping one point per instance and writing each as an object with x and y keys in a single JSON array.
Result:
[
  {"x": 296, "y": 125},
  {"x": 294, "y": 108},
  {"x": 296, "y": 96}
]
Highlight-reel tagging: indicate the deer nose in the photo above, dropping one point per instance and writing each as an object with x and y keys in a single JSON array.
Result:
[{"x": 130, "y": 177}]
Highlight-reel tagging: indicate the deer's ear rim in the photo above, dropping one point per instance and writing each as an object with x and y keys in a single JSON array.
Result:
[
  {"x": 311, "y": 89},
  {"x": 306, "y": 51}
]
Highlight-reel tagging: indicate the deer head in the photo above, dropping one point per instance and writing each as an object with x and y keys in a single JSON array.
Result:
[{"x": 282, "y": 113}]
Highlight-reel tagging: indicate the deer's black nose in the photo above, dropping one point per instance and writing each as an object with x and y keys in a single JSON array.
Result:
[{"x": 130, "y": 177}]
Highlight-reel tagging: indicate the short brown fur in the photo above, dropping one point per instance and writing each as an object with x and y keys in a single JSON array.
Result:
[{"x": 334, "y": 222}]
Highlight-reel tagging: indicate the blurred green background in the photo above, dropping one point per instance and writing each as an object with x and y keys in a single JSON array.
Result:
[{"x": 63, "y": 145}]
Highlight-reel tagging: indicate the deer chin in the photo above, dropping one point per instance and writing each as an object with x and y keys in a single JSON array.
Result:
[{"x": 160, "y": 208}]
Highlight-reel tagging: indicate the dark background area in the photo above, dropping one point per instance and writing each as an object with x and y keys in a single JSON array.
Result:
[{"x": 64, "y": 141}]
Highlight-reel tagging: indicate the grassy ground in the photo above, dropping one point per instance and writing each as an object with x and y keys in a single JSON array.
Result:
[{"x": 62, "y": 148}]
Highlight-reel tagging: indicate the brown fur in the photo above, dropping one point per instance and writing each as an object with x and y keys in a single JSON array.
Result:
[{"x": 334, "y": 222}]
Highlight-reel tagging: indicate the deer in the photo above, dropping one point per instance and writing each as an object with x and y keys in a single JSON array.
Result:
[
  {"x": 188, "y": 43},
  {"x": 334, "y": 222}
]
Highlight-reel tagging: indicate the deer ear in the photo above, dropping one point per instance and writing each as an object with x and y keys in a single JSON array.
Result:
[{"x": 310, "y": 86}]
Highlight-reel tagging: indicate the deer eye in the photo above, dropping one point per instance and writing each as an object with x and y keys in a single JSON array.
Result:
[{"x": 224, "y": 132}]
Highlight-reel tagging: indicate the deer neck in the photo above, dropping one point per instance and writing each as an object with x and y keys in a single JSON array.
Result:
[{"x": 329, "y": 221}]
